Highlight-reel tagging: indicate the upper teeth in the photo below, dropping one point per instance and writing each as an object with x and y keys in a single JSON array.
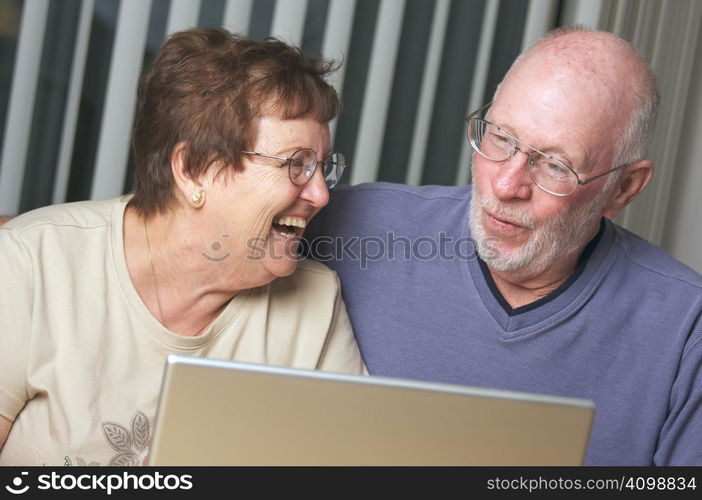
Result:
[{"x": 291, "y": 221}]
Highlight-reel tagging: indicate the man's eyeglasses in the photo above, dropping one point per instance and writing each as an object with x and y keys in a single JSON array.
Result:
[
  {"x": 548, "y": 172},
  {"x": 303, "y": 163}
]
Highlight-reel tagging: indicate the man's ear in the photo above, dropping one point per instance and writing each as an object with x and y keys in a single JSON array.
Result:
[
  {"x": 634, "y": 179},
  {"x": 190, "y": 188}
]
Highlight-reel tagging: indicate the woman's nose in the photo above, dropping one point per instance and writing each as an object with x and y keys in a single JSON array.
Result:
[{"x": 315, "y": 190}]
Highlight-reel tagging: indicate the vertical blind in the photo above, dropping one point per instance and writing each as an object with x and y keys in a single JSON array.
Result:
[{"x": 412, "y": 70}]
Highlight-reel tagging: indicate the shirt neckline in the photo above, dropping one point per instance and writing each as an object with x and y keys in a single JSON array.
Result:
[
  {"x": 152, "y": 326},
  {"x": 560, "y": 303},
  {"x": 579, "y": 268}
]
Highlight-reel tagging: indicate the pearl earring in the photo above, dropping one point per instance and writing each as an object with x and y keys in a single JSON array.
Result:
[{"x": 198, "y": 199}]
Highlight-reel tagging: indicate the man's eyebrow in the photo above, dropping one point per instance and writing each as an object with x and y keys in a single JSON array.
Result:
[
  {"x": 555, "y": 151},
  {"x": 559, "y": 153}
]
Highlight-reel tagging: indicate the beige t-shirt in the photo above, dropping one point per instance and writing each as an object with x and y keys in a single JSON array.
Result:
[{"x": 81, "y": 357}]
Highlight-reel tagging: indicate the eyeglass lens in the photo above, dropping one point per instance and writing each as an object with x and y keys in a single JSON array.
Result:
[
  {"x": 333, "y": 169},
  {"x": 494, "y": 144},
  {"x": 304, "y": 162},
  {"x": 302, "y": 165}
]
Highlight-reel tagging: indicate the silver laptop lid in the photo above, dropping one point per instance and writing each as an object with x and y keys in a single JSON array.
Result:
[{"x": 229, "y": 413}]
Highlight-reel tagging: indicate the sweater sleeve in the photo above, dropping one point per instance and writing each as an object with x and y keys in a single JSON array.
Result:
[{"x": 680, "y": 440}]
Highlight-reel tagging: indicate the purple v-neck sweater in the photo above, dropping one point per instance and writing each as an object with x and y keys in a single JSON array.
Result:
[{"x": 625, "y": 331}]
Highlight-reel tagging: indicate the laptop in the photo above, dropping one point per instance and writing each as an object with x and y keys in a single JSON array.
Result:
[{"x": 229, "y": 413}]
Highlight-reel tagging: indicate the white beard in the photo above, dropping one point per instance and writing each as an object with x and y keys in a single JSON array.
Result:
[{"x": 556, "y": 239}]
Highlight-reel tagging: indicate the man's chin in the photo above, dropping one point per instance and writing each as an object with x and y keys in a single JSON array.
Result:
[
  {"x": 521, "y": 260},
  {"x": 505, "y": 265}
]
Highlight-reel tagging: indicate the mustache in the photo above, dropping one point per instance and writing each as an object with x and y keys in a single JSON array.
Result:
[{"x": 512, "y": 214}]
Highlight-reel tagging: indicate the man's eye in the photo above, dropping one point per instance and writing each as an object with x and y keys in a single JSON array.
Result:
[
  {"x": 555, "y": 170},
  {"x": 499, "y": 139}
]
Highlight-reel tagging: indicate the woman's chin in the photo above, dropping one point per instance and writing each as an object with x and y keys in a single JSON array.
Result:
[
  {"x": 280, "y": 255},
  {"x": 282, "y": 267}
]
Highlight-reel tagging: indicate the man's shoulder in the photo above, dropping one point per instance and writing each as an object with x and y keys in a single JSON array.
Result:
[
  {"x": 387, "y": 191},
  {"x": 384, "y": 202},
  {"x": 655, "y": 263},
  {"x": 373, "y": 209}
]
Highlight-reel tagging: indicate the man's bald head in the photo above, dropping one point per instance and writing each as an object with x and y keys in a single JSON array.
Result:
[{"x": 606, "y": 71}]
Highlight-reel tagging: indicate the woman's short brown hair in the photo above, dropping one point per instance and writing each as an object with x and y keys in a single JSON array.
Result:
[{"x": 207, "y": 88}]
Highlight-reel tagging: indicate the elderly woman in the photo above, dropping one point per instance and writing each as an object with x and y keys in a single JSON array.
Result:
[{"x": 233, "y": 159}]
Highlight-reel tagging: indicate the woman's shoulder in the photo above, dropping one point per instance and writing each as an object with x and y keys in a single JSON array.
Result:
[
  {"x": 311, "y": 278},
  {"x": 77, "y": 214},
  {"x": 316, "y": 269}
]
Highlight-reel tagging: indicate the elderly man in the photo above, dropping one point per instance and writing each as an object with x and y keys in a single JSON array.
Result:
[{"x": 559, "y": 300}]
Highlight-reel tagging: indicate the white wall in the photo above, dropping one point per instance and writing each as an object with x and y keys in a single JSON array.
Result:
[{"x": 683, "y": 231}]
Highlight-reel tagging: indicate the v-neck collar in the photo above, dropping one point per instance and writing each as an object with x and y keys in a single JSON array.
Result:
[{"x": 556, "y": 306}]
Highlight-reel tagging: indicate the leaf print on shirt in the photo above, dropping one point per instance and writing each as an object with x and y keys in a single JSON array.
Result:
[
  {"x": 68, "y": 463},
  {"x": 141, "y": 431},
  {"x": 132, "y": 447}
]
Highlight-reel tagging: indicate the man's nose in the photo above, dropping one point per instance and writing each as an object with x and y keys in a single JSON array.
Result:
[{"x": 512, "y": 180}]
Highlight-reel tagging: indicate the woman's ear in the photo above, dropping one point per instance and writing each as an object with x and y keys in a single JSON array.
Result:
[
  {"x": 634, "y": 179},
  {"x": 191, "y": 189}
]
